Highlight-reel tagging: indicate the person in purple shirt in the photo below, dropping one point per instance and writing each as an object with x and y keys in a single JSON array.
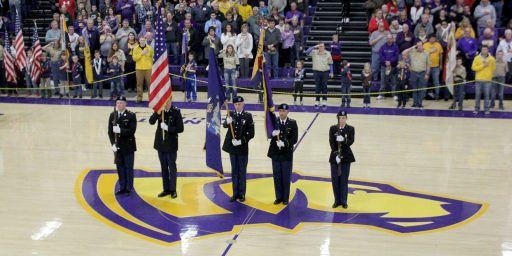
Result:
[
  {"x": 388, "y": 60},
  {"x": 293, "y": 12},
  {"x": 468, "y": 47},
  {"x": 335, "y": 49},
  {"x": 403, "y": 18},
  {"x": 127, "y": 10},
  {"x": 405, "y": 39},
  {"x": 487, "y": 38}
]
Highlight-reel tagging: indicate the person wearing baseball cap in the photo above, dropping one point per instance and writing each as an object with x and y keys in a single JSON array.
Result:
[{"x": 341, "y": 137}]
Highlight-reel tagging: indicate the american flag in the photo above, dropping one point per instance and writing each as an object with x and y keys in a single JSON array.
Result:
[
  {"x": 21, "y": 56},
  {"x": 10, "y": 73},
  {"x": 37, "y": 52},
  {"x": 160, "y": 87}
]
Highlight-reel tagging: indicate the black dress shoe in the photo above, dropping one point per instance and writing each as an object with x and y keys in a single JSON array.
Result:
[
  {"x": 345, "y": 206},
  {"x": 119, "y": 192},
  {"x": 285, "y": 202},
  {"x": 164, "y": 193},
  {"x": 174, "y": 194},
  {"x": 241, "y": 199},
  {"x": 127, "y": 192},
  {"x": 277, "y": 201},
  {"x": 335, "y": 205},
  {"x": 232, "y": 199}
]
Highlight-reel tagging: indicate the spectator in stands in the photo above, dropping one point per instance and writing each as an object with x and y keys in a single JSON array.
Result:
[
  {"x": 275, "y": 14},
  {"x": 172, "y": 36},
  {"x": 53, "y": 34},
  {"x": 245, "y": 10},
  {"x": 129, "y": 65},
  {"x": 487, "y": 38},
  {"x": 346, "y": 84},
  {"x": 425, "y": 24},
  {"x": 435, "y": 50},
  {"x": 146, "y": 12},
  {"x": 271, "y": 44},
  {"x": 441, "y": 16},
  {"x": 228, "y": 37},
  {"x": 385, "y": 13},
  {"x": 235, "y": 27},
  {"x": 106, "y": 40},
  {"x": 62, "y": 75},
  {"x": 403, "y": 18},
  {"x": 388, "y": 55},
  {"x": 298, "y": 82},
  {"x": 459, "y": 77},
  {"x": 468, "y": 46},
  {"x": 112, "y": 20},
  {"x": 180, "y": 12},
  {"x": 377, "y": 39},
  {"x": 215, "y": 9},
  {"x": 375, "y": 21},
  {"x": 148, "y": 28},
  {"x": 215, "y": 23},
  {"x": 293, "y": 12},
  {"x": 117, "y": 52},
  {"x": 426, "y": 11},
  {"x": 79, "y": 24},
  {"x": 422, "y": 36},
  {"x": 231, "y": 64},
  {"x": 298, "y": 42},
  {"x": 322, "y": 70},
  {"x": 105, "y": 5},
  {"x": 465, "y": 24},
  {"x": 288, "y": 40},
  {"x": 457, "y": 10},
  {"x": 79, "y": 50},
  {"x": 366, "y": 81},
  {"x": 405, "y": 39},
  {"x": 69, "y": 6},
  {"x": 86, "y": 5},
  {"x": 483, "y": 65},
  {"x": 505, "y": 46},
  {"x": 252, "y": 21},
  {"x": 54, "y": 49},
  {"x": 188, "y": 16},
  {"x": 211, "y": 40},
  {"x": 416, "y": 12},
  {"x": 94, "y": 15},
  {"x": 263, "y": 9},
  {"x": 225, "y": 5},
  {"x": 193, "y": 42},
  {"x": 393, "y": 7},
  {"x": 395, "y": 28},
  {"x": 469, "y": 15},
  {"x": 73, "y": 38},
  {"x": 279, "y": 4},
  {"x": 94, "y": 35},
  {"x": 335, "y": 49},
  {"x": 143, "y": 57},
  {"x": 489, "y": 25},
  {"x": 483, "y": 12},
  {"x": 419, "y": 61},
  {"x": 443, "y": 32},
  {"x": 238, "y": 20},
  {"x": 244, "y": 45},
  {"x": 123, "y": 32},
  {"x": 201, "y": 13},
  {"x": 499, "y": 79}
]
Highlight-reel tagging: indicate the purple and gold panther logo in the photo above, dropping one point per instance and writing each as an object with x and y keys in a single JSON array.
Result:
[{"x": 203, "y": 202}]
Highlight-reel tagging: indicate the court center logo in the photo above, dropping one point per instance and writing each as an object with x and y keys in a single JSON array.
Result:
[{"x": 202, "y": 208}]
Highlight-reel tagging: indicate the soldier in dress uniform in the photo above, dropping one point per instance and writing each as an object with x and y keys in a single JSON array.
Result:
[
  {"x": 122, "y": 125},
  {"x": 341, "y": 137},
  {"x": 281, "y": 152},
  {"x": 236, "y": 143},
  {"x": 166, "y": 143}
]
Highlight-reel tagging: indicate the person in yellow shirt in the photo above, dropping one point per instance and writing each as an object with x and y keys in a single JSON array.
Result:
[
  {"x": 245, "y": 10},
  {"x": 483, "y": 65},
  {"x": 143, "y": 57},
  {"x": 434, "y": 48},
  {"x": 465, "y": 23},
  {"x": 225, "y": 6}
]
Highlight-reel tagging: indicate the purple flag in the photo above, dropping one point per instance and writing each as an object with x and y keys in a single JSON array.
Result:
[
  {"x": 216, "y": 97},
  {"x": 268, "y": 103}
]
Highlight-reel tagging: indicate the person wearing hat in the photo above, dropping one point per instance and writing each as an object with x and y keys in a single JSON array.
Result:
[
  {"x": 122, "y": 125},
  {"x": 166, "y": 143},
  {"x": 341, "y": 137},
  {"x": 236, "y": 143},
  {"x": 281, "y": 153}
]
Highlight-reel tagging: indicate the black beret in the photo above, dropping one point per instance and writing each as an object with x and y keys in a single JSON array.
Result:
[
  {"x": 341, "y": 113},
  {"x": 284, "y": 106},
  {"x": 123, "y": 98},
  {"x": 238, "y": 99}
]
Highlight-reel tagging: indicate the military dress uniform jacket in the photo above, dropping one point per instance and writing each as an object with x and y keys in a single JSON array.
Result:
[
  {"x": 243, "y": 127},
  {"x": 289, "y": 135},
  {"x": 128, "y": 124},
  {"x": 349, "y": 133},
  {"x": 174, "y": 121}
]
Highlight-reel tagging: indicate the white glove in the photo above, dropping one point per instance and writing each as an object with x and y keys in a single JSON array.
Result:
[
  {"x": 229, "y": 120},
  {"x": 164, "y": 127},
  {"x": 340, "y": 138},
  {"x": 275, "y": 133},
  {"x": 280, "y": 143},
  {"x": 114, "y": 148},
  {"x": 338, "y": 159},
  {"x": 236, "y": 142},
  {"x": 116, "y": 129}
]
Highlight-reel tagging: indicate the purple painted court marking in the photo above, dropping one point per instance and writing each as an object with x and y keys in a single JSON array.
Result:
[{"x": 259, "y": 107}]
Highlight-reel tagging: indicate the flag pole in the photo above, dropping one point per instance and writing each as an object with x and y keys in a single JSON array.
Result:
[{"x": 227, "y": 115}]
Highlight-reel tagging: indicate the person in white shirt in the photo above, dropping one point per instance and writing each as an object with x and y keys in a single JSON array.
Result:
[
  {"x": 505, "y": 46},
  {"x": 244, "y": 45}
]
